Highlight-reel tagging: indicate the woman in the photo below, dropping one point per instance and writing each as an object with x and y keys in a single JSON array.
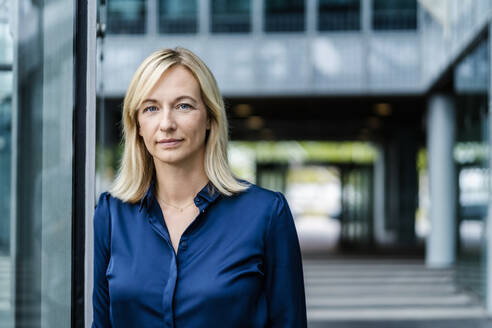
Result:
[{"x": 178, "y": 241}]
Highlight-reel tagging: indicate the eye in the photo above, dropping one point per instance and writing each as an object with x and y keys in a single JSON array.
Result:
[
  {"x": 184, "y": 106},
  {"x": 150, "y": 109}
]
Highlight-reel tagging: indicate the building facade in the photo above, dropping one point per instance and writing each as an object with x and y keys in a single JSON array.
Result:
[{"x": 412, "y": 78}]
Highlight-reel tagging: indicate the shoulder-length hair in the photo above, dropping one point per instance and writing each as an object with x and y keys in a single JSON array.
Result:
[{"x": 137, "y": 167}]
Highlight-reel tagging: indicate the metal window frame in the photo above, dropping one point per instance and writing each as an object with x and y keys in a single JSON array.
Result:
[{"x": 83, "y": 183}]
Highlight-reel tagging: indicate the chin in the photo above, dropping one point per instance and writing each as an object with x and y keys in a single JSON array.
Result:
[
  {"x": 175, "y": 157},
  {"x": 170, "y": 159}
]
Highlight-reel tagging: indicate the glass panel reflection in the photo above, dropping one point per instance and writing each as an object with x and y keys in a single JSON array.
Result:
[
  {"x": 284, "y": 15},
  {"x": 356, "y": 211},
  {"x": 339, "y": 15},
  {"x": 231, "y": 16},
  {"x": 41, "y": 172},
  {"x": 126, "y": 16},
  {"x": 6, "y": 80},
  {"x": 471, "y": 84},
  {"x": 5, "y": 160},
  {"x": 5, "y": 157},
  {"x": 178, "y": 16}
]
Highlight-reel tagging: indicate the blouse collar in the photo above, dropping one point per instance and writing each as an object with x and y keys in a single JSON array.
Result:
[{"x": 208, "y": 194}]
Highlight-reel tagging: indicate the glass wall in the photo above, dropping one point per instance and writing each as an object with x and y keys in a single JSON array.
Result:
[
  {"x": 339, "y": 15},
  {"x": 36, "y": 137},
  {"x": 471, "y": 84},
  {"x": 284, "y": 15},
  {"x": 231, "y": 16},
  {"x": 178, "y": 16},
  {"x": 6, "y": 53},
  {"x": 394, "y": 15},
  {"x": 126, "y": 16},
  {"x": 356, "y": 211}
]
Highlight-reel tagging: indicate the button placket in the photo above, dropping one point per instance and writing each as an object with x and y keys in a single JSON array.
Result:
[{"x": 168, "y": 294}]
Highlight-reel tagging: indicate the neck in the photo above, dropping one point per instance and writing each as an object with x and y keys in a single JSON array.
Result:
[{"x": 178, "y": 185}]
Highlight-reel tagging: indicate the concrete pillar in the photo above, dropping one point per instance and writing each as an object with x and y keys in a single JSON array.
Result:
[{"x": 442, "y": 182}]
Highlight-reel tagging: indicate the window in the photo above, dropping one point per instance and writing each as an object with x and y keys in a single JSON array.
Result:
[
  {"x": 231, "y": 16},
  {"x": 178, "y": 16},
  {"x": 37, "y": 111},
  {"x": 394, "y": 15},
  {"x": 339, "y": 15},
  {"x": 284, "y": 15},
  {"x": 126, "y": 16},
  {"x": 5, "y": 137}
]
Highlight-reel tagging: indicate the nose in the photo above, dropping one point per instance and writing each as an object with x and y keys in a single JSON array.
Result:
[{"x": 167, "y": 122}]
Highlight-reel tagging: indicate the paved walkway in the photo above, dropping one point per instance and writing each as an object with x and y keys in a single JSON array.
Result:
[
  {"x": 468, "y": 323},
  {"x": 370, "y": 293}
]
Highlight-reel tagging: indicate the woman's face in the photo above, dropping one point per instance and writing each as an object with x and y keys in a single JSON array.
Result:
[{"x": 173, "y": 119}]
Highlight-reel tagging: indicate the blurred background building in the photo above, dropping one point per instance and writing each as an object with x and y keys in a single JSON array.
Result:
[{"x": 372, "y": 116}]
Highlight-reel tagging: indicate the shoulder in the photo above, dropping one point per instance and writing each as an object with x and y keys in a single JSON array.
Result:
[
  {"x": 106, "y": 200},
  {"x": 261, "y": 197},
  {"x": 259, "y": 193},
  {"x": 110, "y": 210},
  {"x": 103, "y": 198},
  {"x": 274, "y": 210},
  {"x": 106, "y": 205},
  {"x": 101, "y": 213}
]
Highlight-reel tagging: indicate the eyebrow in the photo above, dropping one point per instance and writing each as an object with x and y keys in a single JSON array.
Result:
[
  {"x": 185, "y": 97},
  {"x": 149, "y": 101},
  {"x": 174, "y": 101}
]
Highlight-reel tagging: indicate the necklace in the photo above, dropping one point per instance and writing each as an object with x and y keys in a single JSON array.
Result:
[{"x": 181, "y": 209}]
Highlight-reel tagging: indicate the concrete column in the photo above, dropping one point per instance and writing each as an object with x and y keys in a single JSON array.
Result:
[
  {"x": 152, "y": 17},
  {"x": 257, "y": 16},
  {"x": 442, "y": 182},
  {"x": 204, "y": 14},
  {"x": 311, "y": 16}
]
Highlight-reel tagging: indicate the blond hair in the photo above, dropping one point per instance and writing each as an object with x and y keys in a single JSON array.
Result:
[{"x": 136, "y": 166}]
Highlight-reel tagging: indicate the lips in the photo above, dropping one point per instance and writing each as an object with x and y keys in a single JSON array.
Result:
[{"x": 169, "y": 142}]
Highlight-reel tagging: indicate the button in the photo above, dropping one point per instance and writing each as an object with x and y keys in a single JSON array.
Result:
[
  {"x": 184, "y": 245},
  {"x": 197, "y": 200}
]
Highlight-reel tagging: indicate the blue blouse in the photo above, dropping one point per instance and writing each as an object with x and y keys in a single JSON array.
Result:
[{"x": 238, "y": 264}]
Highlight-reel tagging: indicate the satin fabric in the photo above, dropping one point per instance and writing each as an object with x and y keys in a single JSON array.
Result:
[{"x": 238, "y": 264}]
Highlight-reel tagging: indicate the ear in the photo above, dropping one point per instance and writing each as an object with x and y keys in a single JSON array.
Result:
[{"x": 208, "y": 123}]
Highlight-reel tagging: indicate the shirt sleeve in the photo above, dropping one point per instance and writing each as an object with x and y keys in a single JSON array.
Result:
[
  {"x": 283, "y": 270},
  {"x": 100, "y": 293}
]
